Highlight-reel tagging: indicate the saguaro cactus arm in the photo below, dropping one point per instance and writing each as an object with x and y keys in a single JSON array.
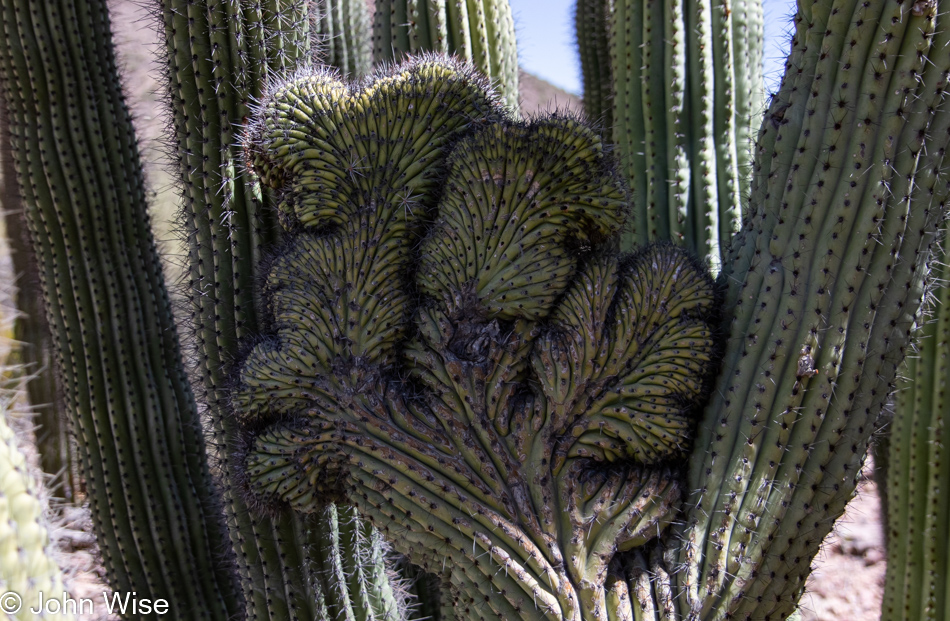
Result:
[
  {"x": 917, "y": 507},
  {"x": 155, "y": 509},
  {"x": 344, "y": 35},
  {"x": 824, "y": 283}
]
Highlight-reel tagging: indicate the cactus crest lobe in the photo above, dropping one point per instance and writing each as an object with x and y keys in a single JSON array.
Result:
[{"x": 455, "y": 345}]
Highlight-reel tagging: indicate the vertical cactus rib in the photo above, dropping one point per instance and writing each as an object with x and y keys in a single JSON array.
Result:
[
  {"x": 342, "y": 29},
  {"x": 481, "y": 32},
  {"x": 748, "y": 35},
  {"x": 628, "y": 29},
  {"x": 917, "y": 505},
  {"x": 33, "y": 351},
  {"x": 155, "y": 507},
  {"x": 686, "y": 87},
  {"x": 591, "y": 27},
  {"x": 220, "y": 56},
  {"x": 826, "y": 280}
]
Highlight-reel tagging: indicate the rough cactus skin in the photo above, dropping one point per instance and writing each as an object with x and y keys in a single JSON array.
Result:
[
  {"x": 591, "y": 27},
  {"x": 155, "y": 509},
  {"x": 344, "y": 36},
  {"x": 481, "y": 32},
  {"x": 25, "y": 566},
  {"x": 220, "y": 54},
  {"x": 33, "y": 351},
  {"x": 530, "y": 403},
  {"x": 917, "y": 507},
  {"x": 679, "y": 85},
  {"x": 824, "y": 283}
]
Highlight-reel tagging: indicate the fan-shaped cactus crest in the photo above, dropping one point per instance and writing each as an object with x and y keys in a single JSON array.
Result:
[{"x": 457, "y": 348}]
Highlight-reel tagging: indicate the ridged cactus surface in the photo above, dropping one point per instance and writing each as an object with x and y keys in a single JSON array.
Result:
[
  {"x": 591, "y": 26},
  {"x": 481, "y": 32},
  {"x": 679, "y": 83},
  {"x": 456, "y": 346},
  {"x": 26, "y": 567},
  {"x": 155, "y": 509},
  {"x": 344, "y": 35},
  {"x": 917, "y": 506},
  {"x": 824, "y": 283},
  {"x": 220, "y": 57}
]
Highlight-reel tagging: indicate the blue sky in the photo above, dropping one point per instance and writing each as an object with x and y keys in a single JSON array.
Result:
[{"x": 546, "y": 40}]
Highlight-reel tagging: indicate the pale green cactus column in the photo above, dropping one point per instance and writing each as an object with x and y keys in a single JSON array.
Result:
[
  {"x": 27, "y": 570},
  {"x": 343, "y": 32},
  {"x": 678, "y": 85},
  {"x": 917, "y": 507},
  {"x": 481, "y": 32}
]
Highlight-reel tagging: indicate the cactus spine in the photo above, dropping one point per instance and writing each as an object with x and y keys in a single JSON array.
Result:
[
  {"x": 824, "y": 282},
  {"x": 479, "y": 31},
  {"x": 679, "y": 84},
  {"x": 142, "y": 450},
  {"x": 220, "y": 54}
]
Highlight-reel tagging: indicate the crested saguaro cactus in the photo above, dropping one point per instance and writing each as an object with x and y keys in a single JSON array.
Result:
[
  {"x": 507, "y": 393},
  {"x": 678, "y": 86},
  {"x": 481, "y": 32}
]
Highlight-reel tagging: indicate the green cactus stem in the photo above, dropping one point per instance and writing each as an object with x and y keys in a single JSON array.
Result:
[
  {"x": 500, "y": 392},
  {"x": 481, "y": 32},
  {"x": 824, "y": 283},
  {"x": 220, "y": 55},
  {"x": 592, "y": 26},
  {"x": 155, "y": 509},
  {"x": 344, "y": 34},
  {"x": 33, "y": 349},
  {"x": 682, "y": 83},
  {"x": 26, "y": 567},
  {"x": 918, "y": 507}
]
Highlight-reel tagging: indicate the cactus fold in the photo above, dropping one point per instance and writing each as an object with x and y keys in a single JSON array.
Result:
[
  {"x": 481, "y": 32},
  {"x": 499, "y": 389},
  {"x": 155, "y": 510},
  {"x": 824, "y": 282},
  {"x": 679, "y": 83}
]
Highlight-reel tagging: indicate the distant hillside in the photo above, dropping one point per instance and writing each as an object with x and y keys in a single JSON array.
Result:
[{"x": 538, "y": 95}]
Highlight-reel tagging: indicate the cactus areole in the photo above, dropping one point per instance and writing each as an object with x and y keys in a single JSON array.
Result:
[{"x": 456, "y": 347}]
